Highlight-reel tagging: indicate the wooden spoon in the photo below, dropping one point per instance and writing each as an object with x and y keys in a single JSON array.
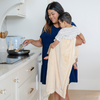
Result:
[
  {"x": 3, "y": 35},
  {"x": 6, "y": 33},
  {"x": 0, "y": 34},
  {"x": 18, "y": 49}
]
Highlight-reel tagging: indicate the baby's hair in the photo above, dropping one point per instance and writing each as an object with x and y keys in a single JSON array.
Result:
[{"x": 65, "y": 17}]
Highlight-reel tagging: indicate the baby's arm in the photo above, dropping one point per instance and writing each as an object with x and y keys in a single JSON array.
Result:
[
  {"x": 82, "y": 38},
  {"x": 52, "y": 45}
]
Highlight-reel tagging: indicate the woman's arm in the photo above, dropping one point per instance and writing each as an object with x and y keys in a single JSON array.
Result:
[
  {"x": 78, "y": 41},
  {"x": 37, "y": 43}
]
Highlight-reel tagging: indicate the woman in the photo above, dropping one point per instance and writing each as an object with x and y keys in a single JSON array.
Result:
[{"x": 49, "y": 32}]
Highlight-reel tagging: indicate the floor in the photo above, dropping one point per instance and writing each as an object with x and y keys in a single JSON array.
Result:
[
  {"x": 81, "y": 95},
  {"x": 74, "y": 95}
]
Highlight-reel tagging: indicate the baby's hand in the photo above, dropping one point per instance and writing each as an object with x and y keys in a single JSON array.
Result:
[{"x": 46, "y": 57}]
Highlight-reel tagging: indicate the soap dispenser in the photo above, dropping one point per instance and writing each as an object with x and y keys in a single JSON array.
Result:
[{"x": 3, "y": 45}]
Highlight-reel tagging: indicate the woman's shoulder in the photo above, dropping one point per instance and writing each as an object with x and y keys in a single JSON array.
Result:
[{"x": 73, "y": 24}]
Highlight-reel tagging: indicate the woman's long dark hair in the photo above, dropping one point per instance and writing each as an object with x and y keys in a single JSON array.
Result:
[{"x": 52, "y": 6}]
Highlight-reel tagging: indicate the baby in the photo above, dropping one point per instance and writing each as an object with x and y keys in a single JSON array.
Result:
[{"x": 67, "y": 32}]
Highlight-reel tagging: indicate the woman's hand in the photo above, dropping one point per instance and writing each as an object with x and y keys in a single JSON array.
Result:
[
  {"x": 78, "y": 41},
  {"x": 26, "y": 42},
  {"x": 83, "y": 42},
  {"x": 37, "y": 43},
  {"x": 52, "y": 45}
]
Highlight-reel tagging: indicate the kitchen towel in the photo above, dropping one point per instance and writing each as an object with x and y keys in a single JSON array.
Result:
[{"x": 60, "y": 62}]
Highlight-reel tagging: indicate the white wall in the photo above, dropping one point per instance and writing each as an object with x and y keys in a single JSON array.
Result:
[
  {"x": 31, "y": 26},
  {"x": 86, "y": 15}
]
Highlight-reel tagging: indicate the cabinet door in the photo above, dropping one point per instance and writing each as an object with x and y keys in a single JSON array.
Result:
[
  {"x": 9, "y": 98},
  {"x": 28, "y": 89},
  {"x": 5, "y": 88},
  {"x": 36, "y": 96},
  {"x": 27, "y": 71},
  {"x": 15, "y": 83},
  {"x": 19, "y": 10}
]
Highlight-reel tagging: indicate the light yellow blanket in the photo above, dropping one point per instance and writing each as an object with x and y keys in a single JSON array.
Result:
[{"x": 60, "y": 62}]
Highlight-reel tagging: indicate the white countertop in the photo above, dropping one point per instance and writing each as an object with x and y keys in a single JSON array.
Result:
[{"x": 7, "y": 69}]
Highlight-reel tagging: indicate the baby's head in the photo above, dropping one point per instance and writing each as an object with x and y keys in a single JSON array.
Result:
[{"x": 65, "y": 20}]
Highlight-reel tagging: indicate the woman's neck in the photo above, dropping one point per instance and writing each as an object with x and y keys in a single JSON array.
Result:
[{"x": 56, "y": 25}]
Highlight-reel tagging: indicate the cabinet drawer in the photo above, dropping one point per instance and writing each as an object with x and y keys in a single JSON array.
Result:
[
  {"x": 5, "y": 88},
  {"x": 36, "y": 96},
  {"x": 28, "y": 88},
  {"x": 27, "y": 71}
]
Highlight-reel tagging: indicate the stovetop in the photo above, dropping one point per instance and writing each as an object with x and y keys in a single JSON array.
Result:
[{"x": 11, "y": 59}]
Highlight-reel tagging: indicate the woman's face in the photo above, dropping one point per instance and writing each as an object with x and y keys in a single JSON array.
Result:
[{"x": 53, "y": 16}]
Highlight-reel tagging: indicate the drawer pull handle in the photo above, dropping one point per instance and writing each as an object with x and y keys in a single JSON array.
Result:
[
  {"x": 16, "y": 80},
  {"x": 31, "y": 69},
  {"x": 3, "y": 92},
  {"x": 31, "y": 91}
]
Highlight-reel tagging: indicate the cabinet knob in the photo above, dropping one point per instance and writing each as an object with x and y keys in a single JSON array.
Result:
[
  {"x": 31, "y": 69},
  {"x": 18, "y": 8},
  {"x": 16, "y": 80},
  {"x": 31, "y": 91},
  {"x": 39, "y": 61},
  {"x": 3, "y": 92}
]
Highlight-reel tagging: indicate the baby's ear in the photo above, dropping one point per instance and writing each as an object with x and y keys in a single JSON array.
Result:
[{"x": 64, "y": 22}]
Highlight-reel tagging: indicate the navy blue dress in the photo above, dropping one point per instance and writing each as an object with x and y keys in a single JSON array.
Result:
[{"x": 47, "y": 39}]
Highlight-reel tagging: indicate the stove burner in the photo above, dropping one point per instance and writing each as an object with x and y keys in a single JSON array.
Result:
[{"x": 11, "y": 59}]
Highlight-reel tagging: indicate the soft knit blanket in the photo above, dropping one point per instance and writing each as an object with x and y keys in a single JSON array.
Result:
[{"x": 60, "y": 62}]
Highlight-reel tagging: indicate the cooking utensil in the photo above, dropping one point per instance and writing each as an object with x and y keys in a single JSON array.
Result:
[
  {"x": 20, "y": 48},
  {"x": 20, "y": 52},
  {"x": 0, "y": 34},
  {"x": 17, "y": 56},
  {"x": 6, "y": 33},
  {"x": 3, "y": 34}
]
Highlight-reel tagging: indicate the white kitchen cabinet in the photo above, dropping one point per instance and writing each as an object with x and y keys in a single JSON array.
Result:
[
  {"x": 5, "y": 88},
  {"x": 27, "y": 89},
  {"x": 6, "y": 6},
  {"x": 14, "y": 89},
  {"x": 25, "y": 81},
  {"x": 22, "y": 83},
  {"x": 26, "y": 71},
  {"x": 19, "y": 10},
  {"x": 9, "y": 98}
]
